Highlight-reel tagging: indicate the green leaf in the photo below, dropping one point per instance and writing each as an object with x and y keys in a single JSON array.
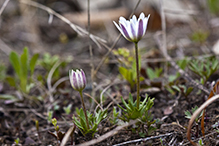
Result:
[
  {"x": 150, "y": 73},
  {"x": 77, "y": 123},
  {"x": 24, "y": 69},
  {"x": 172, "y": 78},
  {"x": 15, "y": 62},
  {"x": 24, "y": 62},
  {"x": 126, "y": 75},
  {"x": 213, "y": 6},
  {"x": 30, "y": 86},
  {"x": 189, "y": 90},
  {"x": 7, "y": 97},
  {"x": 130, "y": 102},
  {"x": 183, "y": 63},
  {"x": 11, "y": 81},
  {"x": 142, "y": 104},
  {"x": 33, "y": 62},
  {"x": 176, "y": 88},
  {"x": 126, "y": 105},
  {"x": 188, "y": 114}
]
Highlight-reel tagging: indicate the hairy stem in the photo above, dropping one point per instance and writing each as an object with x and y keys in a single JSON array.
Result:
[
  {"x": 84, "y": 109},
  {"x": 138, "y": 75}
]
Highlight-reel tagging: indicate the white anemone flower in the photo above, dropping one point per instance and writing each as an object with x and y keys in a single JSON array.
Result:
[
  {"x": 134, "y": 29},
  {"x": 77, "y": 79}
]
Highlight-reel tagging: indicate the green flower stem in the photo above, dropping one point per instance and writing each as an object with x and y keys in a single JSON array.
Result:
[
  {"x": 84, "y": 109},
  {"x": 138, "y": 75}
]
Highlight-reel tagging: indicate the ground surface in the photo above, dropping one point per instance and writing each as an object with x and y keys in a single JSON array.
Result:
[{"x": 23, "y": 25}]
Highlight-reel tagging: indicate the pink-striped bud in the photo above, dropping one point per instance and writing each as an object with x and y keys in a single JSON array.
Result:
[{"x": 77, "y": 79}]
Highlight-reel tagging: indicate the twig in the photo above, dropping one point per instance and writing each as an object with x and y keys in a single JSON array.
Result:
[
  {"x": 94, "y": 100},
  {"x": 76, "y": 28},
  {"x": 164, "y": 40},
  {"x": 67, "y": 134},
  {"x": 91, "y": 55},
  {"x": 3, "y": 6},
  {"x": 101, "y": 94},
  {"x": 63, "y": 79},
  {"x": 181, "y": 12},
  {"x": 107, "y": 135},
  {"x": 49, "y": 79},
  {"x": 163, "y": 21},
  {"x": 112, "y": 47},
  {"x": 145, "y": 139}
]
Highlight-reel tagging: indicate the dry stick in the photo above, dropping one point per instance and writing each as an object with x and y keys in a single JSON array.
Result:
[
  {"x": 91, "y": 54},
  {"x": 67, "y": 134},
  {"x": 163, "y": 25},
  {"x": 107, "y": 135},
  {"x": 63, "y": 79},
  {"x": 112, "y": 47},
  {"x": 76, "y": 28},
  {"x": 98, "y": 105},
  {"x": 101, "y": 94},
  {"x": 181, "y": 12},
  {"x": 196, "y": 113},
  {"x": 3, "y": 6},
  {"x": 49, "y": 79},
  {"x": 145, "y": 139},
  {"x": 108, "y": 93}
]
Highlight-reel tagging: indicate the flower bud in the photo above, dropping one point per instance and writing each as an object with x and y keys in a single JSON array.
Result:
[{"x": 77, "y": 79}]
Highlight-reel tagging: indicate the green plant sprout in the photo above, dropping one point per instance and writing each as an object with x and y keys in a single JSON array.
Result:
[
  {"x": 147, "y": 119},
  {"x": 127, "y": 66},
  {"x": 161, "y": 141},
  {"x": 204, "y": 68},
  {"x": 93, "y": 120},
  {"x": 216, "y": 126},
  {"x": 48, "y": 61},
  {"x": 200, "y": 142},
  {"x": 114, "y": 118},
  {"x": 132, "y": 112},
  {"x": 17, "y": 141},
  {"x": 23, "y": 67},
  {"x": 49, "y": 117},
  {"x": 213, "y": 6},
  {"x": 68, "y": 109},
  {"x": 37, "y": 128},
  {"x": 124, "y": 56},
  {"x": 153, "y": 73},
  {"x": 87, "y": 122},
  {"x": 182, "y": 64},
  {"x": 129, "y": 73},
  {"x": 183, "y": 89},
  {"x": 58, "y": 134},
  {"x": 200, "y": 36},
  {"x": 2, "y": 72},
  {"x": 172, "y": 79},
  {"x": 189, "y": 115}
]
